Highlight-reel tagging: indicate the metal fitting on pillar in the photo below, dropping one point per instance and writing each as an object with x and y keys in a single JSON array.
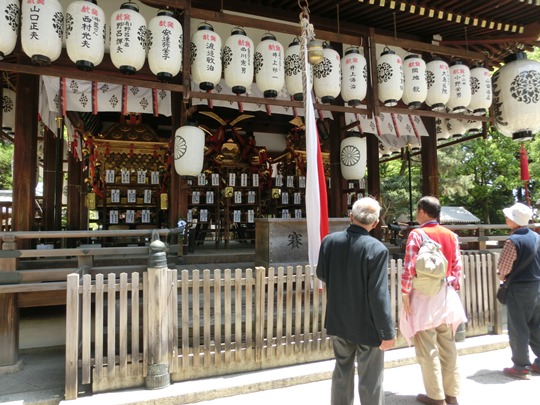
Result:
[{"x": 158, "y": 353}]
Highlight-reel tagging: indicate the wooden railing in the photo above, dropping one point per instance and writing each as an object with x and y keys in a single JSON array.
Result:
[{"x": 223, "y": 322}]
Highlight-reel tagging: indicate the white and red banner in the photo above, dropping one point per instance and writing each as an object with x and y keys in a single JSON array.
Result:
[{"x": 316, "y": 195}]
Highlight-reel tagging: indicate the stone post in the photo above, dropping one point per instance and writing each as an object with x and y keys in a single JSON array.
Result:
[{"x": 158, "y": 346}]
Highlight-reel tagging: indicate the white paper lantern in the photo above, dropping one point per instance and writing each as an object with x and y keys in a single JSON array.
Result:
[
  {"x": 189, "y": 150},
  {"x": 390, "y": 77},
  {"x": 353, "y": 158},
  {"x": 415, "y": 86},
  {"x": 8, "y": 110},
  {"x": 206, "y": 57},
  {"x": 455, "y": 127},
  {"x": 460, "y": 87},
  {"x": 269, "y": 69},
  {"x": 9, "y": 26},
  {"x": 85, "y": 34},
  {"x": 473, "y": 127},
  {"x": 481, "y": 90},
  {"x": 238, "y": 54},
  {"x": 128, "y": 38},
  {"x": 516, "y": 89},
  {"x": 353, "y": 77},
  {"x": 165, "y": 40},
  {"x": 327, "y": 75},
  {"x": 293, "y": 71},
  {"x": 42, "y": 30},
  {"x": 438, "y": 84},
  {"x": 441, "y": 130}
]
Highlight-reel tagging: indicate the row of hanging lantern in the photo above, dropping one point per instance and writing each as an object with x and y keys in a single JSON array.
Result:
[
  {"x": 131, "y": 39},
  {"x": 438, "y": 85}
]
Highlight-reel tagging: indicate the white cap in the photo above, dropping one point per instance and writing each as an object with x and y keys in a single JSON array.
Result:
[{"x": 519, "y": 213}]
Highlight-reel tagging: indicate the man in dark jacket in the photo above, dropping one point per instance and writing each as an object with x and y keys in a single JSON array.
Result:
[{"x": 354, "y": 267}]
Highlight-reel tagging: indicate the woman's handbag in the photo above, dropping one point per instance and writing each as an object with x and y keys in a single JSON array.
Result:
[{"x": 502, "y": 292}]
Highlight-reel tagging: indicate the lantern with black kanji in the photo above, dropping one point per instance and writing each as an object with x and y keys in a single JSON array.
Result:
[
  {"x": 8, "y": 110},
  {"x": 42, "y": 30},
  {"x": 460, "y": 87},
  {"x": 9, "y": 26},
  {"x": 414, "y": 74},
  {"x": 353, "y": 157},
  {"x": 481, "y": 90},
  {"x": 353, "y": 77},
  {"x": 438, "y": 84},
  {"x": 390, "y": 77},
  {"x": 293, "y": 71},
  {"x": 189, "y": 150},
  {"x": 516, "y": 89},
  {"x": 238, "y": 54},
  {"x": 455, "y": 127},
  {"x": 441, "y": 130},
  {"x": 85, "y": 34},
  {"x": 165, "y": 40},
  {"x": 128, "y": 39},
  {"x": 269, "y": 69},
  {"x": 206, "y": 57}
]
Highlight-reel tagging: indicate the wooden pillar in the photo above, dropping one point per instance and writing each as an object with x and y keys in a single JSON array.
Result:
[
  {"x": 177, "y": 188},
  {"x": 430, "y": 165},
  {"x": 77, "y": 212},
  {"x": 49, "y": 176},
  {"x": 25, "y": 155},
  {"x": 9, "y": 308},
  {"x": 337, "y": 204},
  {"x": 373, "y": 174}
]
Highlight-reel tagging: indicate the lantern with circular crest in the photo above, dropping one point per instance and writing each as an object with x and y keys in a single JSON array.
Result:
[
  {"x": 9, "y": 26},
  {"x": 327, "y": 75},
  {"x": 390, "y": 77},
  {"x": 516, "y": 90}
]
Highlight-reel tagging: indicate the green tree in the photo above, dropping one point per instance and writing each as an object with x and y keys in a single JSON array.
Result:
[
  {"x": 6, "y": 176},
  {"x": 490, "y": 171}
]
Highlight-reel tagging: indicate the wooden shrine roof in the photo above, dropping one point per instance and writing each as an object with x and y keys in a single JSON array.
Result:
[{"x": 492, "y": 27}]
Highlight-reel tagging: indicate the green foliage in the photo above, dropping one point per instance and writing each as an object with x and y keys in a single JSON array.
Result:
[
  {"x": 483, "y": 177},
  {"x": 6, "y": 176},
  {"x": 395, "y": 188}
]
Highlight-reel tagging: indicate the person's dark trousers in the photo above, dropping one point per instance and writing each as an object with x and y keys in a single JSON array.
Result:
[
  {"x": 370, "y": 373},
  {"x": 523, "y": 306}
]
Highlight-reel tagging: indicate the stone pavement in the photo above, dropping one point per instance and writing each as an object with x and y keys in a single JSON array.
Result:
[{"x": 40, "y": 382}]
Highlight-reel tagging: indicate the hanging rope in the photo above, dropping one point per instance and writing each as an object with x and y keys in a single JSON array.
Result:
[{"x": 307, "y": 34}]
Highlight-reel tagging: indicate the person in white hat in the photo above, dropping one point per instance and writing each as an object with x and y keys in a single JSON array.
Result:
[{"x": 519, "y": 265}]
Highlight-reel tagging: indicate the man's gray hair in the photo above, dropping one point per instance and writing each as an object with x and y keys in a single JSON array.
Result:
[{"x": 366, "y": 210}]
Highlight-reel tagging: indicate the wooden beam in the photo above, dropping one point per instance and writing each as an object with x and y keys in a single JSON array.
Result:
[
  {"x": 425, "y": 47},
  {"x": 95, "y": 75},
  {"x": 178, "y": 4}
]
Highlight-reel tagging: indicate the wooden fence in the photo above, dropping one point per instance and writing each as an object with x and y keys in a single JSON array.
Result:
[{"x": 223, "y": 321}]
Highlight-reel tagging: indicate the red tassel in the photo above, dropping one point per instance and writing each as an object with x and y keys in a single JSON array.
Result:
[
  {"x": 524, "y": 164},
  {"x": 94, "y": 98},
  {"x": 155, "y": 102},
  {"x": 63, "y": 95},
  {"x": 124, "y": 99}
]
